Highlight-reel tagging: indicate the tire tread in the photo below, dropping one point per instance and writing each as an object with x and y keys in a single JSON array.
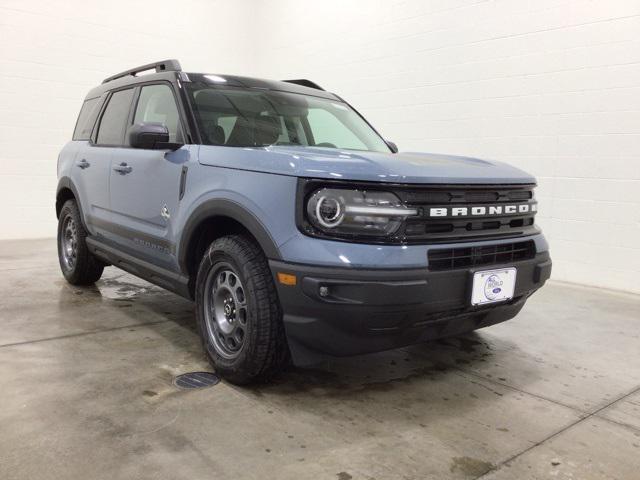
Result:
[
  {"x": 270, "y": 351},
  {"x": 88, "y": 268}
]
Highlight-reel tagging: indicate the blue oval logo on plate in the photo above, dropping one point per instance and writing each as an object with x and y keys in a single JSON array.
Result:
[{"x": 496, "y": 290}]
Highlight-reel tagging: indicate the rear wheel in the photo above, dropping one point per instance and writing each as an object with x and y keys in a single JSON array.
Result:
[
  {"x": 78, "y": 265},
  {"x": 238, "y": 311}
]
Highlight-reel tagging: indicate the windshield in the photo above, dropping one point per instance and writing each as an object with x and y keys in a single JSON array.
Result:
[{"x": 236, "y": 117}]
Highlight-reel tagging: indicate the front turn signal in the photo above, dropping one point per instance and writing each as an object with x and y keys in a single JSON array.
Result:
[{"x": 287, "y": 279}]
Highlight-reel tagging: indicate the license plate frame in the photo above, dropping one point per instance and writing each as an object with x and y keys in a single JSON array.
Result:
[{"x": 493, "y": 286}]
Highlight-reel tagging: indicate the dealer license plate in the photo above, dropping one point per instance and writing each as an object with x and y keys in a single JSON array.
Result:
[{"x": 491, "y": 286}]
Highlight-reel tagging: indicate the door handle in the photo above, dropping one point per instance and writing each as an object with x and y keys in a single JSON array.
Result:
[
  {"x": 123, "y": 168},
  {"x": 83, "y": 164}
]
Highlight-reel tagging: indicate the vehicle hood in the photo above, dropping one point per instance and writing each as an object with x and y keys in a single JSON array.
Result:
[{"x": 314, "y": 162}]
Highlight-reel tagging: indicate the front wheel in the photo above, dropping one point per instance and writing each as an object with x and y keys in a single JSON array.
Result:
[
  {"x": 77, "y": 263},
  {"x": 238, "y": 311}
]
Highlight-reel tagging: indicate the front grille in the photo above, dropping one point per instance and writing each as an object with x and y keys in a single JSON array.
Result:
[
  {"x": 471, "y": 212},
  {"x": 455, "y": 258},
  {"x": 427, "y": 228},
  {"x": 465, "y": 194}
]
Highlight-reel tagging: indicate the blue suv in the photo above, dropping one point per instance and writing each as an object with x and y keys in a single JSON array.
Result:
[{"x": 296, "y": 228}]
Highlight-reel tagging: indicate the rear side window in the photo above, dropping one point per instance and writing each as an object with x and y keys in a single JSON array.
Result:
[
  {"x": 114, "y": 118},
  {"x": 86, "y": 119},
  {"x": 157, "y": 105}
]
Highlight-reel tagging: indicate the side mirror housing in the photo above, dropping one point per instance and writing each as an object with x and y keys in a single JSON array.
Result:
[
  {"x": 150, "y": 136},
  {"x": 392, "y": 146}
]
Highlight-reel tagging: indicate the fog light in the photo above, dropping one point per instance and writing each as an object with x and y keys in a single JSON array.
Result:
[{"x": 324, "y": 291}]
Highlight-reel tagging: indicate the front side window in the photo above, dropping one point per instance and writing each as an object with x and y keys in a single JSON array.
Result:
[
  {"x": 236, "y": 117},
  {"x": 157, "y": 105},
  {"x": 114, "y": 118}
]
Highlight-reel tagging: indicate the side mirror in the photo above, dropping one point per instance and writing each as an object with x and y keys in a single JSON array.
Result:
[
  {"x": 150, "y": 136},
  {"x": 392, "y": 146}
]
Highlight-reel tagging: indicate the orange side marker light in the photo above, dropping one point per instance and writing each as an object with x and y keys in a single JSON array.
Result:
[{"x": 287, "y": 279}]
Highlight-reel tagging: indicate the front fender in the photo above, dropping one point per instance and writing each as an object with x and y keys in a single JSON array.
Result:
[{"x": 222, "y": 207}]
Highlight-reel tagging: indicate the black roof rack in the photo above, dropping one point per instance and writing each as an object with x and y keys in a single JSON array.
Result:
[
  {"x": 305, "y": 83},
  {"x": 163, "y": 66}
]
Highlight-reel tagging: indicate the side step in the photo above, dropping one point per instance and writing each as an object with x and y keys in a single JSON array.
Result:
[{"x": 162, "y": 277}]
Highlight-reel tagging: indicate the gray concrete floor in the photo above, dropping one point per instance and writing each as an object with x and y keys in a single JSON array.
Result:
[{"x": 86, "y": 393}]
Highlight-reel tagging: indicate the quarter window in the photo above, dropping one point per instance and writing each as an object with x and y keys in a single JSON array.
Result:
[
  {"x": 114, "y": 118},
  {"x": 86, "y": 119},
  {"x": 157, "y": 105}
]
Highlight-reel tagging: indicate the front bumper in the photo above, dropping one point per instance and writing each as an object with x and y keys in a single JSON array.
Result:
[{"x": 369, "y": 310}]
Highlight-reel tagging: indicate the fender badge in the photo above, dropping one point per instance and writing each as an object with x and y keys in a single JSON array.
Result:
[{"x": 164, "y": 213}]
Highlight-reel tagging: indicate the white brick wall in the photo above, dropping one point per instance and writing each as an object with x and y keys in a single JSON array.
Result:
[
  {"x": 552, "y": 86},
  {"x": 52, "y": 53}
]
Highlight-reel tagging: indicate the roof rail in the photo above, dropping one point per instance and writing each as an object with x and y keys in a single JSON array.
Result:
[
  {"x": 162, "y": 66},
  {"x": 305, "y": 83}
]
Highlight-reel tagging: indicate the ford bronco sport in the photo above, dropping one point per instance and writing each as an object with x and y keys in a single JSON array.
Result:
[{"x": 296, "y": 228}]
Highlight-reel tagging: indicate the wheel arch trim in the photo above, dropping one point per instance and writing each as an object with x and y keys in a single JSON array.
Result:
[
  {"x": 225, "y": 208},
  {"x": 66, "y": 183}
]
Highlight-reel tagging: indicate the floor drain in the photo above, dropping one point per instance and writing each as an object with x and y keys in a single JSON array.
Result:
[{"x": 192, "y": 380}]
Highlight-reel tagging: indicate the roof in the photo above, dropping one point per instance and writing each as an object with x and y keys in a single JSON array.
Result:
[
  {"x": 171, "y": 70},
  {"x": 263, "y": 84}
]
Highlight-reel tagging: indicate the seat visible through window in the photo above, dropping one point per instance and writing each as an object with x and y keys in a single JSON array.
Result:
[{"x": 222, "y": 122}]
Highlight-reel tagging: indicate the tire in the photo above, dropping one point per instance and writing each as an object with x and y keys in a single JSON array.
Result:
[
  {"x": 238, "y": 312},
  {"x": 77, "y": 263}
]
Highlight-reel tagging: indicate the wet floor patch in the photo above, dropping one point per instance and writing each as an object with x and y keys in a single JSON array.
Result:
[
  {"x": 193, "y": 380},
  {"x": 124, "y": 288},
  {"x": 471, "y": 467}
]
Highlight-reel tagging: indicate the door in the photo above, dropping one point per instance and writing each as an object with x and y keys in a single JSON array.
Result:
[
  {"x": 92, "y": 169},
  {"x": 145, "y": 184}
]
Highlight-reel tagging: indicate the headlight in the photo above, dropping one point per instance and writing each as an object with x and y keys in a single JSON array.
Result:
[{"x": 356, "y": 212}]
